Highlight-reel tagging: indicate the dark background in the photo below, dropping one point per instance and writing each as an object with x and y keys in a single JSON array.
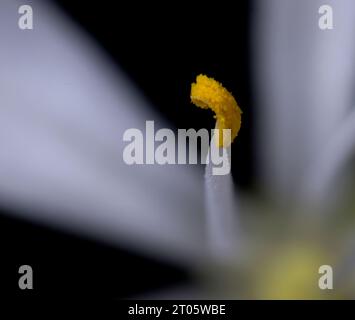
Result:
[{"x": 162, "y": 47}]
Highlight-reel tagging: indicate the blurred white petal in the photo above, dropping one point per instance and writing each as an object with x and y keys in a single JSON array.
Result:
[
  {"x": 305, "y": 79},
  {"x": 64, "y": 109},
  {"x": 325, "y": 179},
  {"x": 222, "y": 212}
]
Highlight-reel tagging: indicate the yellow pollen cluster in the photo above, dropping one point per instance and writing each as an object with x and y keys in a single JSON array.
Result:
[{"x": 208, "y": 93}]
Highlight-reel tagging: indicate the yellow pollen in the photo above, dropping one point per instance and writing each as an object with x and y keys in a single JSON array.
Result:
[{"x": 208, "y": 93}]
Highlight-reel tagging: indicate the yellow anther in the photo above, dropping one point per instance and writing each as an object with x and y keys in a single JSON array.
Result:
[{"x": 208, "y": 93}]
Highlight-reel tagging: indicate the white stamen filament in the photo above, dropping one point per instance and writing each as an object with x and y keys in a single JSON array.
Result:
[{"x": 221, "y": 210}]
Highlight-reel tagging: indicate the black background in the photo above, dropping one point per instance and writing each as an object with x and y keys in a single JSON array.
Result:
[{"x": 162, "y": 47}]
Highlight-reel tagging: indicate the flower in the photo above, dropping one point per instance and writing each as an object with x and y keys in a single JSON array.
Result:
[{"x": 61, "y": 152}]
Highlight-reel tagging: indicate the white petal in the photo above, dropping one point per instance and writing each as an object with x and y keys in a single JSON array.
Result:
[
  {"x": 305, "y": 80},
  {"x": 64, "y": 109}
]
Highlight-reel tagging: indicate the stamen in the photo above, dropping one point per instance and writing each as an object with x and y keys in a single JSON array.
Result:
[
  {"x": 208, "y": 93},
  {"x": 222, "y": 210}
]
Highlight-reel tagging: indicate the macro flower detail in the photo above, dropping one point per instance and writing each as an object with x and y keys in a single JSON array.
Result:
[
  {"x": 209, "y": 93},
  {"x": 107, "y": 168}
]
